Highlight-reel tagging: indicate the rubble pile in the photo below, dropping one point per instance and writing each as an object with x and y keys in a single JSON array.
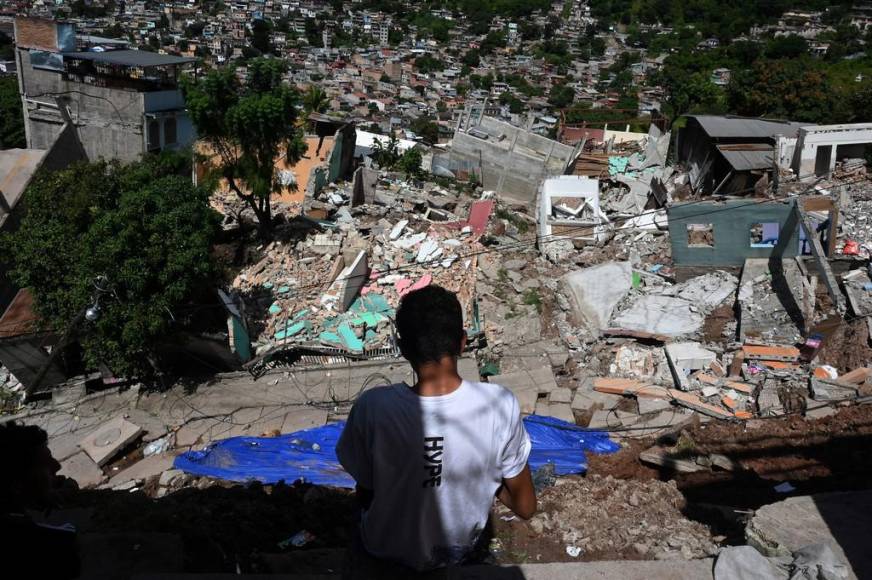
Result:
[
  {"x": 339, "y": 287},
  {"x": 642, "y": 520}
]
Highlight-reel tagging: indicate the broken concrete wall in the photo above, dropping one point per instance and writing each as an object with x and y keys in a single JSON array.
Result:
[
  {"x": 363, "y": 186},
  {"x": 338, "y": 165},
  {"x": 512, "y": 161},
  {"x": 569, "y": 207},
  {"x": 731, "y": 237},
  {"x": 818, "y": 147}
]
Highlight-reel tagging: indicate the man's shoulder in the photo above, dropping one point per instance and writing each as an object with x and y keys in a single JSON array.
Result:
[
  {"x": 497, "y": 395},
  {"x": 377, "y": 395}
]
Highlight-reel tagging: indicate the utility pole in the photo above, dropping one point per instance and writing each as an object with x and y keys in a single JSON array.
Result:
[{"x": 89, "y": 313}]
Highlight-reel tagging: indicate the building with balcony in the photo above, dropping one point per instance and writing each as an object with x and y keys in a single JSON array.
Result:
[{"x": 121, "y": 103}]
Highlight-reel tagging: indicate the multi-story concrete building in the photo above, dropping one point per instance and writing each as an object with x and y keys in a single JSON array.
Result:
[{"x": 121, "y": 103}]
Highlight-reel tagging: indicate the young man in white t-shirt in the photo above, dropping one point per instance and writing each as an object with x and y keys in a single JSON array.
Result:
[{"x": 428, "y": 459}]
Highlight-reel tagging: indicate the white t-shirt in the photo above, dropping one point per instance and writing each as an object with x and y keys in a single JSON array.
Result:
[{"x": 434, "y": 465}]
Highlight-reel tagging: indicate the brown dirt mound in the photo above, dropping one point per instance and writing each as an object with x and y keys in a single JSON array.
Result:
[{"x": 608, "y": 519}]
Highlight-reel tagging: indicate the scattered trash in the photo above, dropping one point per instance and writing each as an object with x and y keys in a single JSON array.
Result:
[
  {"x": 157, "y": 446},
  {"x": 574, "y": 551}
]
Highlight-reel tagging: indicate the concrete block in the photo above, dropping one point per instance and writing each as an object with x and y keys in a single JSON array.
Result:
[
  {"x": 649, "y": 405},
  {"x": 596, "y": 292},
  {"x": 526, "y": 385},
  {"x": 604, "y": 419},
  {"x": 303, "y": 418},
  {"x": 560, "y": 395},
  {"x": 664, "y": 458},
  {"x": 196, "y": 432},
  {"x": 83, "y": 470},
  {"x": 142, "y": 470},
  {"x": 685, "y": 357},
  {"x": 557, "y": 410},
  {"x": 106, "y": 442}
]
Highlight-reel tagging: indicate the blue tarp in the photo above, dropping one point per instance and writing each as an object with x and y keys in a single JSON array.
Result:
[{"x": 310, "y": 455}]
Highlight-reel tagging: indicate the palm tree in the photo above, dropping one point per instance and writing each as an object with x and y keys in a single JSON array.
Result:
[{"x": 315, "y": 100}]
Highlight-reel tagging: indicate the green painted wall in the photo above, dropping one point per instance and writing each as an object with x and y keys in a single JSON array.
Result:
[{"x": 732, "y": 221}]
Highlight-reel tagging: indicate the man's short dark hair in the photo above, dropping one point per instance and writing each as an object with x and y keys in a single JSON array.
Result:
[
  {"x": 430, "y": 325},
  {"x": 19, "y": 450}
]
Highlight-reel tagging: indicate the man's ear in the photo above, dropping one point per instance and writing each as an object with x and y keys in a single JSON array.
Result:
[{"x": 463, "y": 342}]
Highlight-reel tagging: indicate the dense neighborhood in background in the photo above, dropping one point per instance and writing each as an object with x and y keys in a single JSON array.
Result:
[{"x": 655, "y": 216}]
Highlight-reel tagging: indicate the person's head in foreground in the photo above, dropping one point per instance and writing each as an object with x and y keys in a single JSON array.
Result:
[
  {"x": 429, "y": 458},
  {"x": 27, "y": 482},
  {"x": 430, "y": 327},
  {"x": 29, "y": 470}
]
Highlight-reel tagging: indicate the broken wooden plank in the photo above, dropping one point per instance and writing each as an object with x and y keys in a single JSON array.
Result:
[{"x": 820, "y": 257}]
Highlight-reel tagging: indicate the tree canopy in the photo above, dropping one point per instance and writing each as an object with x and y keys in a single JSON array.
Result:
[
  {"x": 248, "y": 127},
  {"x": 11, "y": 114},
  {"x": 143, "y": 227}
]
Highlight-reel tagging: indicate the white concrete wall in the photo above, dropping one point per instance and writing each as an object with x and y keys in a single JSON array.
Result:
[{"x": 811, "y": 138}]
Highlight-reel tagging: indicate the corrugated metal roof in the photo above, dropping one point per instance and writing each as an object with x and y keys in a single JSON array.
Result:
[
  {"x": 747, "y": 158},
  {"x": 742, "y": 127},
  {"x": 141, "y": 58}
]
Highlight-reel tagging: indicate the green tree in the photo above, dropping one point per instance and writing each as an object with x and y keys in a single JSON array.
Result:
[
  {"x": 11, "y": 115},
  {"x": 7, "y": 49},
  {"x": 248, "y": 127},
  {"x": 410, "y": 162},
  {"x": 261, "y": 31},
  {"x": 791, "y": 46},
  {"x": 785, "y": 89},
  {"x": 386, "y": 153},
  {"x": 472, "y": 58},
  {"x": 561, "y": 96},
  {"x": 315, "y": 100},
  {"x": 145, "y": 229},
  {"x": 427, "y": 129}
]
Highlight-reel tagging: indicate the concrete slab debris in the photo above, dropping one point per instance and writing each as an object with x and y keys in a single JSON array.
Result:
[
  {"x": 557, "y": 410},
  {"x": 142, "y": 470},
  {"x": 663, "y": 457},
  {"x": 661, "y": 315},
  {"x": 746, "y": 563},
  {"x": 596, "y": 292},
  {"x": 527, "y": 385},
  {"x": 83, "y": 470},
  {"x": 840, "y": 520},
  {"x": 106, "y": 442},
  {"x": 560, "y": 395},
  {"x": 686, "y": 357}
]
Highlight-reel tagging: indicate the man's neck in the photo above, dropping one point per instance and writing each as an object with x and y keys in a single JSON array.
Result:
[{"x": 437, "y": 378}]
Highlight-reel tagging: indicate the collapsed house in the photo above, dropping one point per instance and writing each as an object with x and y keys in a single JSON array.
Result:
[
  {"x": 725, "y": 155},
  {"x": 731, "y": 155},
  {"x": 508, "y": 160}
]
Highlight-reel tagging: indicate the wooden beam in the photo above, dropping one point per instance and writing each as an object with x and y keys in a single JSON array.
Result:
[{"x": 821, "y": 258}]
